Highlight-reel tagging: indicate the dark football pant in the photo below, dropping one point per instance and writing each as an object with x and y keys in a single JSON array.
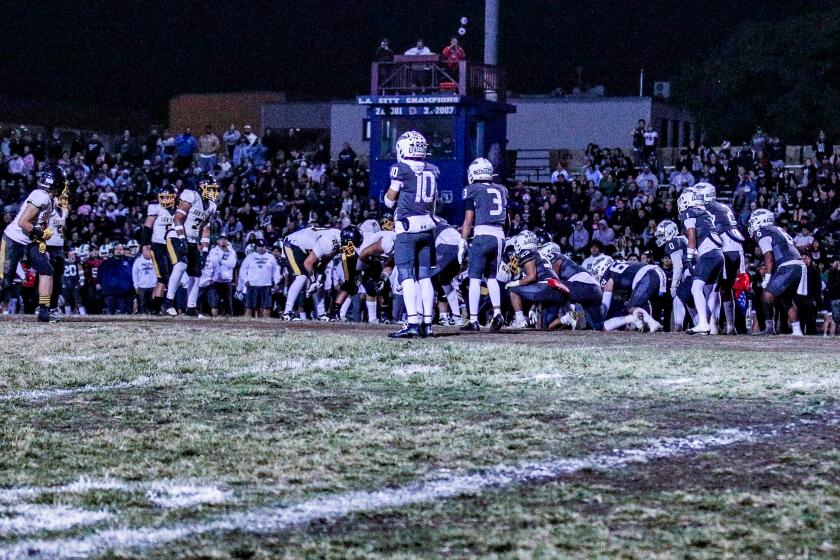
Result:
[
  {"x": 11, "y": 253},
  {"x": 415, "y": 255},
  {"x": 183, "y": 251},
  {"x": 57, "y": 260},
  {"x": 646, "y": 289},
  {"x": 784, "y": 282},
  {"x": 731, "y": 268},
  {"x": 161, "y": 262},
  {"x": 708, "y": 267},
  {"x": 446, "y": 268},
  {"x": 589, "y": 298},
  {"x": 539, "y": 293},
  {"x": 485, "y": 252}
]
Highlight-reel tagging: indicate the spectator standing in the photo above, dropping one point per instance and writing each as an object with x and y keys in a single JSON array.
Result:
[
  {"x": 579, "y": 238},
  {"x": 208, "y": 150},
  {"x": 453, "y": 54},
  {"x": 144, "y": 278},
  {"x": 822, "y": 146},
  {"x": 185, "y": 147},
  {"x": 55, "y": 146},
  {"x": 420, "y": 73},
  {"x": 759, "y": 140},
  {"x": 221, "y": 292},
  {"x": 231, "y": 138},
  {"x": 347, "y": 158},
  {"x": 92, "y": 148},
  {"x": 259, "y": 272},
  {"x": 126, "y": 147},
  {"x": 651, "y": 142},
  {"x": 117, "y": 282},
  {"x": 832, "y": 296},
  {"x": 559, "y": 175},
  {"x": 249, "y": 135},
  {"x": 384, "y": 52},
  {"x": 638, "y": 136}
]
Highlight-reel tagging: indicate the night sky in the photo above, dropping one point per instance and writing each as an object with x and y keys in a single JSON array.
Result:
[{"x": 140, "y": 53}]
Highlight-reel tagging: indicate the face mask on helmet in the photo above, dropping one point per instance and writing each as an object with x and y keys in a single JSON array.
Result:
[
  {"x": 387, "y": 223},
  {"x": 665, "y": 232},
  {"x": 511, "y": 260},
  {"x": 209, "y": 190},
  {"x": 166, "y": 199}
]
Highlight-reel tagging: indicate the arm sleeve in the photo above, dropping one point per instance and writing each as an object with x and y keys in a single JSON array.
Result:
[{"x": 606, "y": 300}]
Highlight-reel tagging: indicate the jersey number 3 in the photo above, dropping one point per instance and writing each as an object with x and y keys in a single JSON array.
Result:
[
  {"x": 497, "y": 202},
  {"x": 426, "y": 187}
]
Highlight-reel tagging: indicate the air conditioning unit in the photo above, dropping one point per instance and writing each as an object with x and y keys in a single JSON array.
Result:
[{"x": 662, "y": 89}]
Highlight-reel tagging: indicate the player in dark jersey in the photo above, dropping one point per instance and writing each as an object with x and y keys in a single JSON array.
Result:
[
  {"x": 73, "y": 281},
  {"x": 413, "y": 190},
  {"x": 640, "y": 282},
  {"x": 704, "y": 259},
  {"x": 676, "y": 247},
  {"x": 785, "y": 274},
  {"x": 734, "y": 262},
  {"x": 538, "y": 282},
  {"x": 584, "y": 288},
  {"x": 449, "y": 252},
  {"x": 486, "y": 208}
]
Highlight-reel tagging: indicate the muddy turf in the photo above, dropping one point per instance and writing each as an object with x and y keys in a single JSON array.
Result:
[{"x": 141, "y": 438}]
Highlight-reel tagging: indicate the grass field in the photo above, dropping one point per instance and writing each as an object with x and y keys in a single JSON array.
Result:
[{"x": 155, "y": 439}]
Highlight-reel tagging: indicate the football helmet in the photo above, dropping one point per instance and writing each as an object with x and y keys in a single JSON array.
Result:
[
  {"x": 689, "y": 198},
  {"x": 759, "y": 219},
  {"x": 706, "y": 190},
  {"x": 387, "y": 222},
  {"x": 166, "y": 196},
  {"x": 524, "y": 242},
  {"x": 601, "y": 265},
  {"x": 511, "y": 260},
  {"x": 83, "y": 251},
  {"x": 543, "y": 237},
  {"x": 665, "y": 232},
  {"x": 351, "y": 239},
  {"x": 480, "y": 170},
  {"x": 411, "y": 145},
  {"x": 370, "y": 226},
  {"x": 132, "y": 246},
  {"x": 105, "y": 249},
  {"x": 208, "y": 187},
  {"x": 54, "y": 181}
]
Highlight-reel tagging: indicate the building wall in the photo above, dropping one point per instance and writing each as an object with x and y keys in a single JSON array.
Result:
[
  {"x": 572, "y": 124},
  {"x": 296, "y": 115},
  {"x": 347, "y": 125},
  {"x": 219, "y": 110}
]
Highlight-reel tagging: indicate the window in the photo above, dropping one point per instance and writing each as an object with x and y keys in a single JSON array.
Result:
[
  {"x": 439, "y": 132},
  {"x": 366, "y": 130}
]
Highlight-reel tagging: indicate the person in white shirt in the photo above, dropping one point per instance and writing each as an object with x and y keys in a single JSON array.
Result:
[
  {"x": 559, "y": 174},
  {"x": 803, "y": 239},
  {"x": 258, "y": 274},
  {"x": 221, "y": 281},
  {"x": 145, "y": 279},
  {"x": 421, "y": 74},
  {"x": 651, "y": 140},
  {"x": 419, "y": 49}
]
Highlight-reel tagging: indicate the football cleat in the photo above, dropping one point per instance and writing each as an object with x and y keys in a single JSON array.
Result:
[
  {"x": 497, "y": 322},
  {"x": 765, "y": 332},
  {"x": 55, "y": 315},
  {"x": 408, "y": 331},
  {"x": 519, "y": 323},
  {"x": 191, "y": 312},
  {"x": 43, "y": 315},
  {"x": 171, "y": 311},
  {"x": 654, "y": 326},
  {"x": 426, "y": 330},
  {"x": 324, "y": 318},
  {"x": 713, "y": 329},
  {"x": 730, "y": 331},
  {"x": 555, "y": 284},
  {"x": 286, "y": 317},
  {"x": 697, "y": 330},
  {"x": 470, "y": 326}
]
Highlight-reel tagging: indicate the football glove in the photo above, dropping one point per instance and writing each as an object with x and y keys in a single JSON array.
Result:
[
  {"x": 384, "y": 278},
  {"x": 36, "y": 234},
  {"x": 765, "y": 281},
  {"x": 42, "y": 247},
  {"x": 48, "y": 232}
]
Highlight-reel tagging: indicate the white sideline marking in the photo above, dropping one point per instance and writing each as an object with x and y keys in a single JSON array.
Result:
[
  {"x": 30, "y": 518},
  {"x": 334, "y": 507},
  {"x": 36, "y": 395},
  {"x": 163, "y": 493},
  {"x": 414, "y": 369}
]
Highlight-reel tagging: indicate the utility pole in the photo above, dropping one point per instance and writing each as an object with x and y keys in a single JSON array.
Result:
[{"x": 491, "y": 32}]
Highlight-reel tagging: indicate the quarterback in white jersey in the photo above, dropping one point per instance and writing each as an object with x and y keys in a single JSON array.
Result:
[
  {"x": 189, "y": 243},
  {"x": 27, "y": 236}
]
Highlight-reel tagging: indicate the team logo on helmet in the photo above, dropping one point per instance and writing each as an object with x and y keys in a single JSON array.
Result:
[
  {"x": 758, "y": 219},
  {"x": 411, "y": 145},
  {"x": 665, "y": 232},
  {"x": 387, "y": 222},
  {"x": 688, "y": 199},
  {"x": 601, "y": 265},
  {"x": 480, "y": 170},
  {"x": 706, "y": 190},
  {"x": 351, "y": 240}
]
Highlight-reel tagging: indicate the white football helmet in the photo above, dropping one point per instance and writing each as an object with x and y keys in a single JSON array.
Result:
[
  {"x": 411, "y": 145},
  {"x": 689, "y": 198},
  {"x": 83, "y": 251},
  {"x": 480, "y": 170},
  {"x": 370, "y": 226},
  {"x": 524, "y": 242},
  {"x": 665, "y": 232},
  {"x": 706, "y": 190},
  {"x": 601, "y": 265},
  {"x": 759, "y": 219}
]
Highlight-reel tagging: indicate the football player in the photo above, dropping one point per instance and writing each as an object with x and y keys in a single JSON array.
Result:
[
  {"x": 449, "y": 252},
  {"x": 72, "y": 284},
  {"x": 676, "y": 247},
  {"x": 642, "y": 282},
  {"x": 55, "y": 247},
  {"x": 486, "y": 208},
  {"x": 584, "y": 289},
  {"x": 376, "y": 262},
  {"x": 307, "y": 253},
  {"x": 785, "y": 275},
  {"x": 26, "y": 236},
  {"x": 538, "y": 282},
  {"x": 190, "y": 244},
  {"x": 413, "y": 191},
  {"x": 157, "y": 226},
  {"x": 347, "y": 273},
  {"x": 733, "y": 250},
  {"x": 704, "y": 258}
]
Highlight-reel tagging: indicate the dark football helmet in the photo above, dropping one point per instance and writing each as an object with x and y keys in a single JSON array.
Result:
[
  {"x": 166, "y": 196},
  {"x": 509, "y": 257},
  {"x": 351, "y": 239},
  {"x": 387, "y": 222},
  {"x": 543, "y": 237},
  {"x": 208, "y": 187},
  {"x": 54, "y": 181}
]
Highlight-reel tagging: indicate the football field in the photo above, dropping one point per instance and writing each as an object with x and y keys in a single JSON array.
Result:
[{"x": 258, "y": 439}]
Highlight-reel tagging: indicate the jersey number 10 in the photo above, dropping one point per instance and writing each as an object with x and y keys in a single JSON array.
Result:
[{"x": 426, "y": 187}]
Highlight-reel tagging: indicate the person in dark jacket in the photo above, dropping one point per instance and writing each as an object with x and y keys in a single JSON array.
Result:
[{"x": 117, "y": 283}]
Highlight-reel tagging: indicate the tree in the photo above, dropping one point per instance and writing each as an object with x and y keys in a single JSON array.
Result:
[{"x": 782, "y": 77}]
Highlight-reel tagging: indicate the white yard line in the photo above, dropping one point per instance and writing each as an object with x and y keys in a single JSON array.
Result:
[
  {"x": 163, "y": 493},
  {"x": 337, "y": 506},
  {"x": 25, "y": 519},
  {"x": 36, "y": 395}
]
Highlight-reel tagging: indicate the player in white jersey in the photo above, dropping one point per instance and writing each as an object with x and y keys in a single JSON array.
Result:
[
  {"x": 376, "y": 261},
  {"x": 189, "y": 243},
  {"x": 26, "y": 236},
  {"x": 158, "y": 225},
  {"x": 307, "y": 253},
  {"x": 55, "y": 249}
]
